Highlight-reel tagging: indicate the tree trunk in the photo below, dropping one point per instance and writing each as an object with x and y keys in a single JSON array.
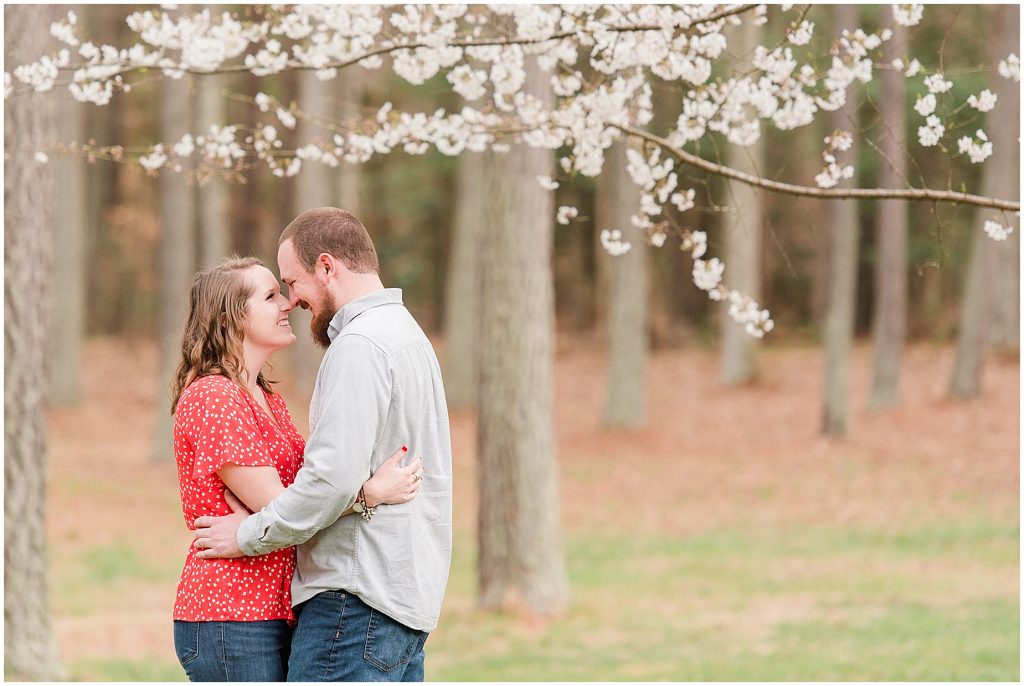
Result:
[
  {"x": 30, "y": 651},
  {"x": 176, "y": 256},
  {"x": 844, "y": 228},
  {"x": 462, "y": 300},
  {"x": 103, "y": 23},
  {"x": 519, "y": 525},
  {"x": 628, "y": 335},
  {"x": 890, "y": 315},
  {"x": 989, "y": 277},
  {"x": 603, "y": 272},
  {"x": 743, "y": 234},
  {"x": 314, "y": 187},
  {"x": 214, "y": 227},
  {"x": 1004, "y": 176},
  {"x": 69, "y": 279},
  {"x": 821, "y": 278},
  {"x": 351, "y": 84}
]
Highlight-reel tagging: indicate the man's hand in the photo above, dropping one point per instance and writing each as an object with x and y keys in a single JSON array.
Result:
[{"x": 218, "y": 536}]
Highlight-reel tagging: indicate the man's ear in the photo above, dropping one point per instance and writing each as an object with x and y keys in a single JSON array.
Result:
[{"x": 326, "y": 266}]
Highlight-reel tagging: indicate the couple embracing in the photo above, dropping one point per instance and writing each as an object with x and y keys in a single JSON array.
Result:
[{"x": 339, "y": 572}]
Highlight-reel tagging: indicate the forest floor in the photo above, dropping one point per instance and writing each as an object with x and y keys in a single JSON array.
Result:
[{"x": 727, "y": 540}]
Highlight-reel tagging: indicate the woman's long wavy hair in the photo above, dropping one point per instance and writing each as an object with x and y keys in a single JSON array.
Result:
[{"x": 212, "y": 340}]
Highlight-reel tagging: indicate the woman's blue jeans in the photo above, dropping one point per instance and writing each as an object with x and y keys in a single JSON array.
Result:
[{"x": 233, "y": 651}]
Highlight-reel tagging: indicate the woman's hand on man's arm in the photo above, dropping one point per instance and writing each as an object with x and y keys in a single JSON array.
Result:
[{"x": 393, "y": 484}]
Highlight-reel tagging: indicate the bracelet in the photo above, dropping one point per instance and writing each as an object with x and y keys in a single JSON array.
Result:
[{"x": 366, "y": 511}]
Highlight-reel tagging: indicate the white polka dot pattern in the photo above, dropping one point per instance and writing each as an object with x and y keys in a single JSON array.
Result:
[{"x": 218, "y": 422}]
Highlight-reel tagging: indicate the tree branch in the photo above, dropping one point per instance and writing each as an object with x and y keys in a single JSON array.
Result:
[
  {"x": 917, "y": 194},
  {"x": 478, "y": 43}
]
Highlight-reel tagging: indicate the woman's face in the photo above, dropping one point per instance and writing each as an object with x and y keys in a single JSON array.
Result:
[{"x": 266, "y": 325}]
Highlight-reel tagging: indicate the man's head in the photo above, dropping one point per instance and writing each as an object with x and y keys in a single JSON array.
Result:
[{"x": 326, "y": 260}]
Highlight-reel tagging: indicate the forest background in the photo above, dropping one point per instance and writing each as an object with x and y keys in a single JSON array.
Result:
[{"x": 713, "y": 526}]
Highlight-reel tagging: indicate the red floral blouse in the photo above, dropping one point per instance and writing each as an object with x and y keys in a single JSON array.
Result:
[{"x": 217, "y": 422}]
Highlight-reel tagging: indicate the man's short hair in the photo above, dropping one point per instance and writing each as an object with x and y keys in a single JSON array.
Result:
[{"x": 333, "y": 231}]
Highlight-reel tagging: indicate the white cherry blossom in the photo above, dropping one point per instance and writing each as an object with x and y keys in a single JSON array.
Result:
[
  {"x": 611, "y": 240},
  {"x": 997, "y": 231},
  {"x": 937, "y": 83},
  {"x": 708, "y": 274},
  {"x": 155, "y": 159},
  {"x": 907, "y": 15},
  {"x": 978, "y": 150},
  {"x": 983, "y": 101},
  {"x": 566, "y": 214},
  {"x": 925, "y": 105},
  {"x": 930, "y": 134},
  {"x": 1010, "y": 67}
]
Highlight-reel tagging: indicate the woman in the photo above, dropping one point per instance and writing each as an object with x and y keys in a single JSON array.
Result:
[{"x": 232, "y": 431}]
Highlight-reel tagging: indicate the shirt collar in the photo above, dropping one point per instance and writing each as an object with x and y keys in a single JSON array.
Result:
[{"x": 385, "y": 296}]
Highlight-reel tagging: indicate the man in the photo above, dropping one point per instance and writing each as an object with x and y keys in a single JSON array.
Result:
[{"x": 367, "y": 589}]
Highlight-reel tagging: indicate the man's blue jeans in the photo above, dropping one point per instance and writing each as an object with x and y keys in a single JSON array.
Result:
[
  {"x": 233, "y": 651},
  {"x": 340, "y": 638}
]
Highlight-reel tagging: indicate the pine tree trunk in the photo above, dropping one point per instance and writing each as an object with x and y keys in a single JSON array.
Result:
[
  {"x": 1002, "y": 180},
  {"x": 821, "y": 278},
  {"x": 603, "y": 266},
  {"x": 176, "y": 255},
  {"x": 890, "y": 316},
  {"x": 743, "y": 235},
  {"x": 462, "y": 300},
  {"x": 314, "y": 187},
  {"x": 574, "y": 273},
  {"x": 69, "y": 236},
  {"x": 844, "y": 228},
  {"x": 521, "y": 561},
  {"x": 30, "y": 651},
  {"x": 988, "y": 275},
  {"x": 628, "y": 334},
  {"x": 351, "y": 84},
  {"x": 104, "y": 23},
  {"x": 214, "y": 227},
  {"x": 975, "y": 312}
]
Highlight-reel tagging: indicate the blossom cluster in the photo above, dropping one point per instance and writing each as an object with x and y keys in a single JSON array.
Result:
[
  {"x": 833, "y": 172},
  {"x": 598, "y": 63},
  {"x": 997, "y": 231},
  {"x": 1010, "y": 67},
  {"x": 707, "y": 275},
  {"x": 977, "y": 149}
]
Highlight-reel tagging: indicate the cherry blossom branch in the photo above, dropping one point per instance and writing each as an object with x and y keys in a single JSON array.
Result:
[
  {"x": 917, "y": 194},
  {"x": 478, "y": 43}
]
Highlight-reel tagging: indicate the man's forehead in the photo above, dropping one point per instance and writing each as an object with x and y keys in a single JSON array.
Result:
[{"x": 286, "y": 261}]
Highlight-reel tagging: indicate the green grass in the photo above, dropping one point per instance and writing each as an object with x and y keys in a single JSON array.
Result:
[
  {"x": 126, "y": 670},
  {"x": 926, "y": 602},
  {"x": 101, "y": 570},
  {"x": 937, "y": 602}
]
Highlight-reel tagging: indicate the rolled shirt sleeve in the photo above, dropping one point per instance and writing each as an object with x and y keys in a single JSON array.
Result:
[{"x": 352, "y": 396}]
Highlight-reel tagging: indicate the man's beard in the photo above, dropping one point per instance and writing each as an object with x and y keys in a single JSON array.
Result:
[{"x": 322, "y": 320}]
